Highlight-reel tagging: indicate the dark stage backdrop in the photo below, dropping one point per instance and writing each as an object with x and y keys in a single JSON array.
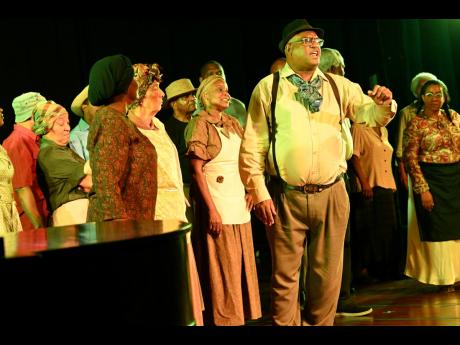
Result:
[{"x": 53, "y": 55}]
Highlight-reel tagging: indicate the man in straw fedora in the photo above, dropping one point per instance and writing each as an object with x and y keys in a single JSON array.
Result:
[{"x": 180, "y": 98}]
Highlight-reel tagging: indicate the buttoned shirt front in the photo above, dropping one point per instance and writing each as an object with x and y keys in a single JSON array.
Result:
[
  {"x": 309, "y": 146},
  {"x": 374, "y": 152}
]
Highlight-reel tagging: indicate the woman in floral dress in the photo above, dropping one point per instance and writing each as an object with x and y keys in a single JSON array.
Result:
[{"x": 432, "y": 156}]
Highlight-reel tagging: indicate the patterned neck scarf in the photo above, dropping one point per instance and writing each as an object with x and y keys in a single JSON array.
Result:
[{"x": 308, "y": 93}]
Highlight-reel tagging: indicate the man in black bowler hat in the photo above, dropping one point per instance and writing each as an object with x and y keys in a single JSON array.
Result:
[{"x": 300, "y": 147}]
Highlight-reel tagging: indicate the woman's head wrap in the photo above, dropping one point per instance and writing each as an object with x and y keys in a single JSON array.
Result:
[
  {"x": 45, "y": 114},
  {"x": 203, "y": 88},
  {"x": 144, "y": 75},
  {"x": 110, "y": 76}
]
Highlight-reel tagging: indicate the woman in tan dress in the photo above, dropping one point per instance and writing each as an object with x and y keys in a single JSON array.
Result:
[
  {"x": 221, "y": 235},
  {"x": 9, "y": 217}
]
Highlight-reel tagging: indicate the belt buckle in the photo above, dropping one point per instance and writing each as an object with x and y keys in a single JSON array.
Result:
[{"x": 311, "y": 189}]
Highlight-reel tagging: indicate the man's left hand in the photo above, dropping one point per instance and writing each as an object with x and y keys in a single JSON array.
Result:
[{"x": 381, "y": 95}]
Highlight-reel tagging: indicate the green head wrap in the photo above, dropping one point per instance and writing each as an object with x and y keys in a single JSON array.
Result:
[{"x": 110, "y": 76}]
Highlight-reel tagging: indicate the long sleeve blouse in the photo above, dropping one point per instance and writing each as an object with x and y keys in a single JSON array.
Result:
[{"x": 430, "y": 140}]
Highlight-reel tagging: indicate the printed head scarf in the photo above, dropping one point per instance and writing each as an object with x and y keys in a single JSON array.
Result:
[
  {"x": 144, "y": 75},
  {"x": 45, "y": 114},
  {"x": 110, "y": 76}
]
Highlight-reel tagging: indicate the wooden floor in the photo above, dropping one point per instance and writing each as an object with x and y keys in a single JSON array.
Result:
[
  {"x": 406, "y": 303},
  {"x": 403, "y": 302}
]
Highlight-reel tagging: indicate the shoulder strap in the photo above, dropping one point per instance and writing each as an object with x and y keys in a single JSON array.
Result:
[
  {"x": 276, "y": 80},
  {"x": 272, "y": 127},
  {"x": 336, "y": 93}
]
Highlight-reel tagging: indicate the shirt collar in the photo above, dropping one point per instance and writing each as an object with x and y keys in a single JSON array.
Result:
[
  {"x": 287, "y": 71},
  {"x": 225, "y": 123},
  {"x": 83, "y": 125},
  {"x": 46, "y": 142},
  {"x": 212, "y": 120},
  {"x": 25, "y": 132}
]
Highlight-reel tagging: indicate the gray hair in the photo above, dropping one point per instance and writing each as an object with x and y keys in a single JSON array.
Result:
[
  {"x": 416, "y": 80},
  {"x": 330, "y": 58}
]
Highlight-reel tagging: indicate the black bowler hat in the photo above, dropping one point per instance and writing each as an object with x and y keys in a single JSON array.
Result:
[{"x": 294, "y": 27}]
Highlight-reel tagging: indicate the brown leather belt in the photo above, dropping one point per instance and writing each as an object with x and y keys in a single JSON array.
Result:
[{"x": 311, "y": 188}]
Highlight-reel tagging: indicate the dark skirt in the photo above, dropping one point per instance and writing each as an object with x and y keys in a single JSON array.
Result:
[
  {"x": 374, "y": 234},
  {"x": 443, "y": 222}
]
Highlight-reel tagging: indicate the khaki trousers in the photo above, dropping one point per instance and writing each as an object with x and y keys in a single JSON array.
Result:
[{"x": 314, "y": 223}]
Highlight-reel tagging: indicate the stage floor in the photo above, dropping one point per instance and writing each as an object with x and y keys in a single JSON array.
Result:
[{"x": 405, "y": 302}]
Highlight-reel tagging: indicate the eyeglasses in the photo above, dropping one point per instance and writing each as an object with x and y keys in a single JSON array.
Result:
[
  {"x": 435, "y": 95},
  {"x": 309, "y": 41}
]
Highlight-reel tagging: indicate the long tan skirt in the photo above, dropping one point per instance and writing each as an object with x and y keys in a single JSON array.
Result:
[{"x": 228, "y": 275}]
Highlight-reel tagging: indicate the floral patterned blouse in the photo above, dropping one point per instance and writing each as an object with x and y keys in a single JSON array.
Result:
[
  {"x": 124, "y": 168},
  {"x": 431, "y": 140}
]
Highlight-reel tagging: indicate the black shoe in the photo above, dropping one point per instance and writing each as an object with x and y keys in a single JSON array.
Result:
[
  {"x": 446, "y": 288},
  {"x": 350, "y": 309},
  {"x": 366, "y": 280}
]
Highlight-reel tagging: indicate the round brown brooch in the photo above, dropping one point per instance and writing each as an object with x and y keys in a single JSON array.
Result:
[{"x": 220, "y": 179}]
